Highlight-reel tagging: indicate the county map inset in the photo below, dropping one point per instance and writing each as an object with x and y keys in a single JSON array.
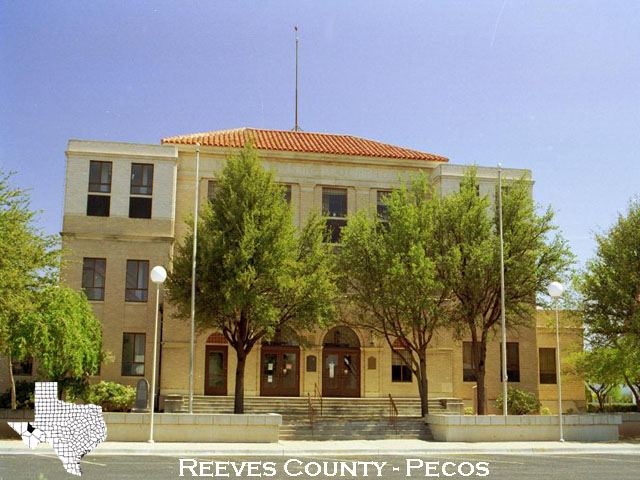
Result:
[{"x": 72, "y": 430}]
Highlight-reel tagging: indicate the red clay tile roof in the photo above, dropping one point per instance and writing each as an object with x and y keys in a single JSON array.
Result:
[{"x": 290, "y": 141}]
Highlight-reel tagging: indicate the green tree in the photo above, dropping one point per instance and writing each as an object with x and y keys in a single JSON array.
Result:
[
  {"x": 255, "y": 274},
  {"x": 389, "y": 272},
  {"x": 600, "y": 368},
  {"x": 27, "y": 263},
  {"x": 533, "y": 257},
  {"x": 65, "y": 337}
]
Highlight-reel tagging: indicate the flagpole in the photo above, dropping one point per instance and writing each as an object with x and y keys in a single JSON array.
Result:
[
  {"x": 502, "y": 315},
  {"x": 193, "y": 278},
  {"x": 296, "y": 128}
]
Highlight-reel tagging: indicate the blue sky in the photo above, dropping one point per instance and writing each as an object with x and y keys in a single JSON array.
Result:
[{"x": 549, "y": 86}]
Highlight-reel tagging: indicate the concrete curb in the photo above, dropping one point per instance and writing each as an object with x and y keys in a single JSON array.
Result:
[{"x": 347, "y": 448}]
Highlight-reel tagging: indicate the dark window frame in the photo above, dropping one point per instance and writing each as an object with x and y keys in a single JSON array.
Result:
[
  {"x": 96, "y": 186},
  {"x": 400, "y": 370},
  {"x": 287, "y": 192},
  {"x": 128, "y": 289},
  {"x": 212, "y": 189},
  {"x": 138, "y": 207},
  {"x": 25, "y": 367},
  {"x": 513, "y": 368},
  {"x": 92, "y": 286},
  {"x": 335, "y": 221},
  {"x": 381, "y": 207},
  {"x": 140, "y": 185},
  {"x": 133, "y": 362},
  {"x": 92, "y": 208},
  {"x": 544, "y": 376},
  {"x": 468, "y": 373}
]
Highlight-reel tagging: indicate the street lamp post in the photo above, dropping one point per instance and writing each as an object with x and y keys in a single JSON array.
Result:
[
  {"x": 555, "y": 290},
  {"x": 503, "y": 322},
  {"x": 158, "y": 276}
]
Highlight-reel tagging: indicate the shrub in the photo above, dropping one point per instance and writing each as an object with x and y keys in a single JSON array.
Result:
[
  {"x": 616, "y": 407},
  {"x": 112, "y": 396},
  {"x": 520, "y": 402},
  {"x": 25, "y": 392},
  {"x": 545, "y": 411},
  {"x": 468, "y": 410}
]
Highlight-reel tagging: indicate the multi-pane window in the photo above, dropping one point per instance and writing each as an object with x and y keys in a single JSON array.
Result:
[
  {"x": 93, "y": 277},
  {"x": 547, "y": 357},
  {"x": 22, "y": 367},
  {"x": 513, "y": 362},
  {"x": 400, "y": 361},
  {"x": 334, "y": 207},
  {"x": 100, "y": 183},
  {"x": 142, "y": 187},
  {"x": 100, "y": 177},
  {"x": 212, "y": 189},
  {"x": 137, "y": 286},
  {"x": 468, "y": 371},
  {"x": 133, "y": 345},
  {"x": 382, "y": 207}
]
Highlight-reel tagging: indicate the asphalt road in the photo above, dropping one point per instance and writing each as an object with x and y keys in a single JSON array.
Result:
[{"x": 548, "y": 467}]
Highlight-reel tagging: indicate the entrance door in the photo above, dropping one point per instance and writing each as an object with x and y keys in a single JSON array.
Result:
[
  {"x": 215, "y": 370},
  {"x": 340, "y": 372},
  {"x": 280, "y": 375}
]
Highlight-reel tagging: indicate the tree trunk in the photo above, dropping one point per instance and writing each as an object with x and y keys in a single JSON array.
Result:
[
  {"x": 423, "y": 387},
  {"x": 635, "y": 391},
  {"x": 601, "y": 397},
  {"x": 480, "y": 356},
  {"x": 12, "y": 382},
  {"x": 238, "y": 401}
]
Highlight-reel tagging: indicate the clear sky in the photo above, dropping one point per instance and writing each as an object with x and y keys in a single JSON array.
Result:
[{"x": 549, "y": 86}]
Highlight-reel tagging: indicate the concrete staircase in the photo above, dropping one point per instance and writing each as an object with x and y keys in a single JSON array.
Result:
[{"x": 340, "y": 419}]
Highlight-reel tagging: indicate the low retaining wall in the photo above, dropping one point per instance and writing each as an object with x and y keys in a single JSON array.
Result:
[
  {"x": 496, "y": 428},
  {"x": 630, "y": 426},
  {"x": 174, "y": 427},
  {"x": 197, "y": 428}
]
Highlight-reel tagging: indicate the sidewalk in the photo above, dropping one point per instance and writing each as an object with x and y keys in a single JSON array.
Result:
[{"x": 342, "y": 448}]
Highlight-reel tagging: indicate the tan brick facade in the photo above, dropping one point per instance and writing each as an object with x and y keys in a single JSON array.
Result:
[{"x": 118, "y": 238}]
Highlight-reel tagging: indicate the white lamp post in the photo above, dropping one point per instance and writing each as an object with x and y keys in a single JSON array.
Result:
[
  {"x": 158, "y": 276},
  {"x": 555, "y": 290}
]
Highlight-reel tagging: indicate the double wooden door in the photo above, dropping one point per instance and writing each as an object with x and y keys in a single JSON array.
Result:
[
  {"x": 280, "y": 372},
  {"x": 340, "y": 372}
]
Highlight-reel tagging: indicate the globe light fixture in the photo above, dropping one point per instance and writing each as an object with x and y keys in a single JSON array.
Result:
[
  {"x": 555, "y": 290},
  {"x": 158, "y": 276}
]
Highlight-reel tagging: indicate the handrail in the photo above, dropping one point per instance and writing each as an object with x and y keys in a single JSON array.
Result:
[
  {"x": 311, "y": 412},
  {"x": 393, "y": 413},
  {"x": 318, "y": 394}
]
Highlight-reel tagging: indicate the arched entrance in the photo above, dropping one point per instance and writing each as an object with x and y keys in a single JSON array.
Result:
[
  {"x": 341, "y": 363},
  {"x": 280, "y": 367}
]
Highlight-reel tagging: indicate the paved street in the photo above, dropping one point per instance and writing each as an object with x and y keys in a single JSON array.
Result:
[{"x": 556, "y": 467}]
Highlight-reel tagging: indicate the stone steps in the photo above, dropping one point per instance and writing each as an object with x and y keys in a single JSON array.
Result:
[{"x": 323, "y": 429}]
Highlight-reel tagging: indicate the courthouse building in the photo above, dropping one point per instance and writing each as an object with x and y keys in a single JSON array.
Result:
[{"x": 124, "y": 212}]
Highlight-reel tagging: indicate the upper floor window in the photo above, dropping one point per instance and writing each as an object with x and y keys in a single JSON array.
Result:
[
  {"x": 513, "y": 362},
  {"x": 547, "y": 358},
  {"x": 141, "y": 179},
  {"x": 477, "y": 189},
  {"x": 212, "y": 189},
  {"x": 22, "y": 367},
  {"x": 334, "y": 207},
  {"x": 468, "y": 370},
  {"x": 93, "y": 277},
  {"x": 98, "y": 205},
  {"x": 400, "y": 361},
  {"x": 286, "y": 188},
  {"x": 100, "y": 177},
  {"x": 137, "y": 287}
]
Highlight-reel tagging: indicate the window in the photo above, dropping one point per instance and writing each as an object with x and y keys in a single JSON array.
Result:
[
  {"x": 287, "y": 193},
  {"x": 141, "y": 179},
  {"x": 212, "y": 189},
  {"x": 100, "y": 177},
  {"x": 400, "y": 361},
  {"x": 505, "y": 192},
  {"x": 23, "y": 367},
  {"x": 139, "y": 207},
  {"x": 547, "y": 365},
  {"x": 133, "y": 354},
  {"x": 93, "y": 277},
  {"x": 513, "y": 362},
  {"x": 477, "y": 189},
  {"x": 98, "y": 205},
  {"x": 468, "y": 372},
  {"x": 334, "y": 207},
  {"x": 381, "y": 204},
  {"x": 137, "y": 280}
]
